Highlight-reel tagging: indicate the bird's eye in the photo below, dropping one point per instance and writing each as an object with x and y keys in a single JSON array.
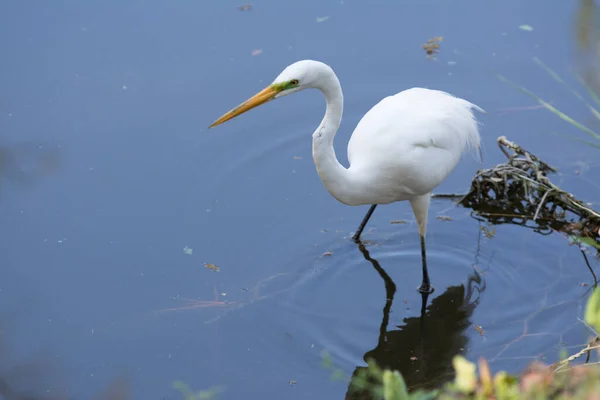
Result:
[{"x": 294, "y": 82}]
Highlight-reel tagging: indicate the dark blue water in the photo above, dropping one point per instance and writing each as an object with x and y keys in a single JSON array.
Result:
[{"x": 109, "y": 172}]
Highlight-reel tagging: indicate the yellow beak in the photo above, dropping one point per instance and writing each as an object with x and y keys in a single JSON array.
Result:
[{"x": 261, "y": 97}]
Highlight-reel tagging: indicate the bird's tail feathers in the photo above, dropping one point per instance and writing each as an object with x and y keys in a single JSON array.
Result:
[{"x": 474, "y": 138}]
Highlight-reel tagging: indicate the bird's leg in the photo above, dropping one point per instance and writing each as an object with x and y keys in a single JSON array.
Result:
[
  {"x": 425, "y": 285},
  {"x": 420, "y": 206},
  {"x": 361, "y": 227}
]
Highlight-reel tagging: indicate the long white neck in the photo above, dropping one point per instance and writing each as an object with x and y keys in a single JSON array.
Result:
[{"x": 337, "y": 179}]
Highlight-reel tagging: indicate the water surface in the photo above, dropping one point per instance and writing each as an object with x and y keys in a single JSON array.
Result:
[{"x": 112, "y": 173}]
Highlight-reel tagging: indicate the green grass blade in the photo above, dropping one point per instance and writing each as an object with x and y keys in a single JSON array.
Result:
[
  {"x": 549, "y": 70},
  {"x": 557, "y": 112},
  {"x": 556, "y": 77},
  {"x": 595, "y": 112},
  {"x": 571, "y": 137},
  {"x": 589, "y": 89},
  {"x": 596, "y": 145}
]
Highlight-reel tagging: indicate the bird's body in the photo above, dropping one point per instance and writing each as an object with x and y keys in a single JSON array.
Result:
[
  {"x": 402, "y": 149},
  {"x": 407, "y": 144}
]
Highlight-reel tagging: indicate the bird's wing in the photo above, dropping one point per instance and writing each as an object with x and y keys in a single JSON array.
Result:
[{"x": 414, "y": 138}]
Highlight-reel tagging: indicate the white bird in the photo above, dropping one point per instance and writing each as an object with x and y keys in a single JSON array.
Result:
[{"x": 402, "y": 149}]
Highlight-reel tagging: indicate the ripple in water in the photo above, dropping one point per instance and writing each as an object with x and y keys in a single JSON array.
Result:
[
  {"x": 506, "y": 293},
  {"x": 362, "y": 302},
  {"x": 495, "y": 290}
]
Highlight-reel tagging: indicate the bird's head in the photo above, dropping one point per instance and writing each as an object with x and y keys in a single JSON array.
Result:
[{"x": 295, "y": 77}]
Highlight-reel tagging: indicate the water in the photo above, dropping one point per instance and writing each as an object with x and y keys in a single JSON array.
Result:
[{"x": 109, "y": 173}]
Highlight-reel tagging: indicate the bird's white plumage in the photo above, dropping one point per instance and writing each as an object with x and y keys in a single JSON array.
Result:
[
  {"x": 408, "y": 143},
  {"x": 402, "y": 149}
]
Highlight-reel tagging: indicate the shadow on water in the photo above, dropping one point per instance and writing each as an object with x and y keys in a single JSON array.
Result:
[
  {"x": 23, "y": 165},
  {"x": 423, "y": 347},
  {"x": 37, "y": 375}
]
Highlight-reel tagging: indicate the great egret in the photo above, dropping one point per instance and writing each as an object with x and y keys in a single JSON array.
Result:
[{"x": 402, "y": 149}]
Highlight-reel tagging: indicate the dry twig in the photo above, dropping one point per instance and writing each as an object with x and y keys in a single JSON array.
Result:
[{"x": 519, "y": 192}]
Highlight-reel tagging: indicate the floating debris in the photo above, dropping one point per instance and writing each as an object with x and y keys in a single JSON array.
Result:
[
  {"x": 397, "y": 221},
  {"x": 479, "y": 329},
  {"x": 256, "y": 52},
  {"x": 188, "y": 250},
  {"x": 297, "y": 158},
  {"x": 413, "y": 358},
  {"x": 488, "y": 233},
  {"x": 292, "y": 383},
  {"x": 432, "y": 46},
  {"x": 322, "y": 19},
  {"x": 327, "y": 254},
  {"x": 245, "y": 7},
  {"x": 211, "y": 266},
  {"x": 193, "y": 304},
  {"x": 444, "y": 218},
  {"x": 519, "y": 192},
  {"x": 527, "y": 28}
]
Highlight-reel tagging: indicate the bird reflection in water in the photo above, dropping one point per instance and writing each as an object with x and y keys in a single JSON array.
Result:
[{"x": 423, "y": 347}]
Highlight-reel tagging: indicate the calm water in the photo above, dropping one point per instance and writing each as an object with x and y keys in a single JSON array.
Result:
[{"x": 109, "y": 173}]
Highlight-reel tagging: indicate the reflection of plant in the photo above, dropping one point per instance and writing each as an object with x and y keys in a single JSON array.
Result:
[
  {"x": 592, "y": 94},
  {"x": 538, "y": 381},
  {"x": 587, "y": 39}
]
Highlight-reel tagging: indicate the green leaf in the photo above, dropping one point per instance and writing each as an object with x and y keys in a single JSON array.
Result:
[
  {"x": 394, "y": 387},
  {"x": 592, "y": 310},
  {"x": 466, "y": 379},
  {"x": 424, "y": 395},
  {"x": 506, "y": 386},
  {"x": 588, "y": 241}
]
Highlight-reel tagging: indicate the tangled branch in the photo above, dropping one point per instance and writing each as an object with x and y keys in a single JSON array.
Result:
[{"x": 519, "y": 192}]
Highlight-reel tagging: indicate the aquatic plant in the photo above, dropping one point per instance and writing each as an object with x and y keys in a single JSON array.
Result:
[{"x": 592, "y": 94}]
